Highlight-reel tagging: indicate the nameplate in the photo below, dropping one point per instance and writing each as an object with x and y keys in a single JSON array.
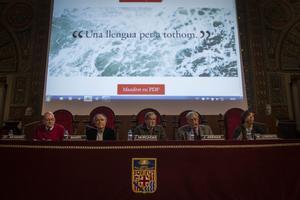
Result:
[
  {"x": 13, "y": 137},
  {"x": 76, "y": 137},
  {"x": 145, "y": 138},
  {"x": 212, "y": 137},
  {"x": 266, "y": 137}
]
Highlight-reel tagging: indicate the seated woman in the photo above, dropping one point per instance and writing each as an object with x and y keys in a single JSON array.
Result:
[
  {"x": 99, "y": 131},
  {"x": 193, "y": 127},
  {"x": 149, "y": 127},
  {"x": 248, "y": 129}
]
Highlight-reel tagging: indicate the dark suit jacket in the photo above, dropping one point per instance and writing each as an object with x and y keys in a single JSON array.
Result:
[
  {"x": 240, "y": 132},
  {"x": 91, "y": 133},
  {"x": 157, "y": 130},
  {"x": 183, "y": 132}
]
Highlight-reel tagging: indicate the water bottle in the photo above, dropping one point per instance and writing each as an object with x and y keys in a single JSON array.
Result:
[
  {"x": 249, "y": 135},
  {"x": 191, "y": 136},
  {"x": 66, "y": 134},
  {"x": 10, "y": 133},
  {"x": 130, "y": 135}
]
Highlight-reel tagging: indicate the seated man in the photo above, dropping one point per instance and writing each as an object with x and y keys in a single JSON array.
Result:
[
  {"x": 49, "y": 130},
  {"x": 149, "y": 127},
  {"x": 99, "y": 131},
  {"x": 193, "y": 128},
  {"x": 247, "y": 128}
]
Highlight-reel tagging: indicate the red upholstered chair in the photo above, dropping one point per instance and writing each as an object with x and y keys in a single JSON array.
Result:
[
  {"x": 182, "y": 119},
  {"x": 109, "y": 113},
  {"x": 140, "y": 117},
  {"x": 232, "y": 119},
  {"x": 65, "y": 118}
]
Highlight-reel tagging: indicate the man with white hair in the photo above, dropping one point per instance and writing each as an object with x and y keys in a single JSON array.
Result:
[
  {"x": 49, "y": 130},
  {"x": 193, "y": 130},
  {"x": 99, "y": 131}
]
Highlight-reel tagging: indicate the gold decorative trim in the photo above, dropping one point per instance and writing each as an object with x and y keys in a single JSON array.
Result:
[{"x": 150, "y": 146}]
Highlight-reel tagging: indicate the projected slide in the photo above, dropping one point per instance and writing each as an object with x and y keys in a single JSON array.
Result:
[{"x": 169, "y": 49}]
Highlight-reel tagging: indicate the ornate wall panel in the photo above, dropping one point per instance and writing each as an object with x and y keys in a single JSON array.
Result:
[
  {"x": 16, "y": 112},
  {"x": 282, "y": 49},
  {"x": 296, "y": 6},
  {"x": 277, "y": 13},
  {"x": 19, "y": 15},
  {"x": 2, "y": 6},
  {"x": 290, "y": 49},
  {"x": 20, "y": 91},
  {"x": 245, "y": 44},
  {"x": 15, "y": 52},
  {"x": 8, "y": 51},
  {"x": 254, "y": 67},
  {"x": 277, "y": 89},
  {"x": 39, "y": 53}
]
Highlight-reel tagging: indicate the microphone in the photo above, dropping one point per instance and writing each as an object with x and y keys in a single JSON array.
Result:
[
  {"x": 90, "y": 127},
  {"x": 259, "y": 123}
]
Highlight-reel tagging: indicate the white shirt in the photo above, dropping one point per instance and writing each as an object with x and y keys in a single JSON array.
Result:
[
  {"x": 100, "y": 135},
  {"x": 249, "y": 134},
  {"x": 49, "y": 129}
]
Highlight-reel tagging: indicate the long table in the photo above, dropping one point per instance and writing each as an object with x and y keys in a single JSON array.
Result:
[{"x": 185, "y": 170}]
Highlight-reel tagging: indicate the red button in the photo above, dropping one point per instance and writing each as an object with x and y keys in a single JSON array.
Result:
[{"x": 145, "y": 89}]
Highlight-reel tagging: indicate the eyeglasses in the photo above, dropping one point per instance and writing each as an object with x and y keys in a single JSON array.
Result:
[{"x": 49, "y": 119}]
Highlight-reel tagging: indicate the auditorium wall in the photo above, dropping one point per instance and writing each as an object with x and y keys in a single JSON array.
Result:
[{"x": 270, "y": 41}]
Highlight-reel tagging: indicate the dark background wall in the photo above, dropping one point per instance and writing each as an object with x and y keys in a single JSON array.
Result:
[{"x": 270, "y": 41}]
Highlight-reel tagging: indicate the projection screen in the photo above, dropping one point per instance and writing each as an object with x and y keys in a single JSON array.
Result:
[{"x": 170, "y": 55}]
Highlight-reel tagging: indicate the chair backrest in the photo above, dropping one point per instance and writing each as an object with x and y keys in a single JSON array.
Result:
[
  {"x": 140, "y": 117},
  {"x": 232, "y": 119},
  {"x": 182, "y": 118},
  {"x": 65, "y": 118},
  {"x": 108, "y": 112}
]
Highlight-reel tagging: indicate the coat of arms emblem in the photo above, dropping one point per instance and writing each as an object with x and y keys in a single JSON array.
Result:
[{"x": 144, "y": 175}]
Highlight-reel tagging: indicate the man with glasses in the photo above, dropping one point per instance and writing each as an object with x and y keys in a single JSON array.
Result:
[
  {"x": 193, "y": 130},
  {"x": 49, "y": 130}
]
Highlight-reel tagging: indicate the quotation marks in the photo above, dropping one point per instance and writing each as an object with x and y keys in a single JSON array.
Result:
[
  {"x": 77, "y": 34},
  {"x": 205, "y": 34}
]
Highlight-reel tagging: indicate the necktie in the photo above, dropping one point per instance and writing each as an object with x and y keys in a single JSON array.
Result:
[
  {"x": 151, "y": 131},
  {"x": 195, "y": 132}
]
